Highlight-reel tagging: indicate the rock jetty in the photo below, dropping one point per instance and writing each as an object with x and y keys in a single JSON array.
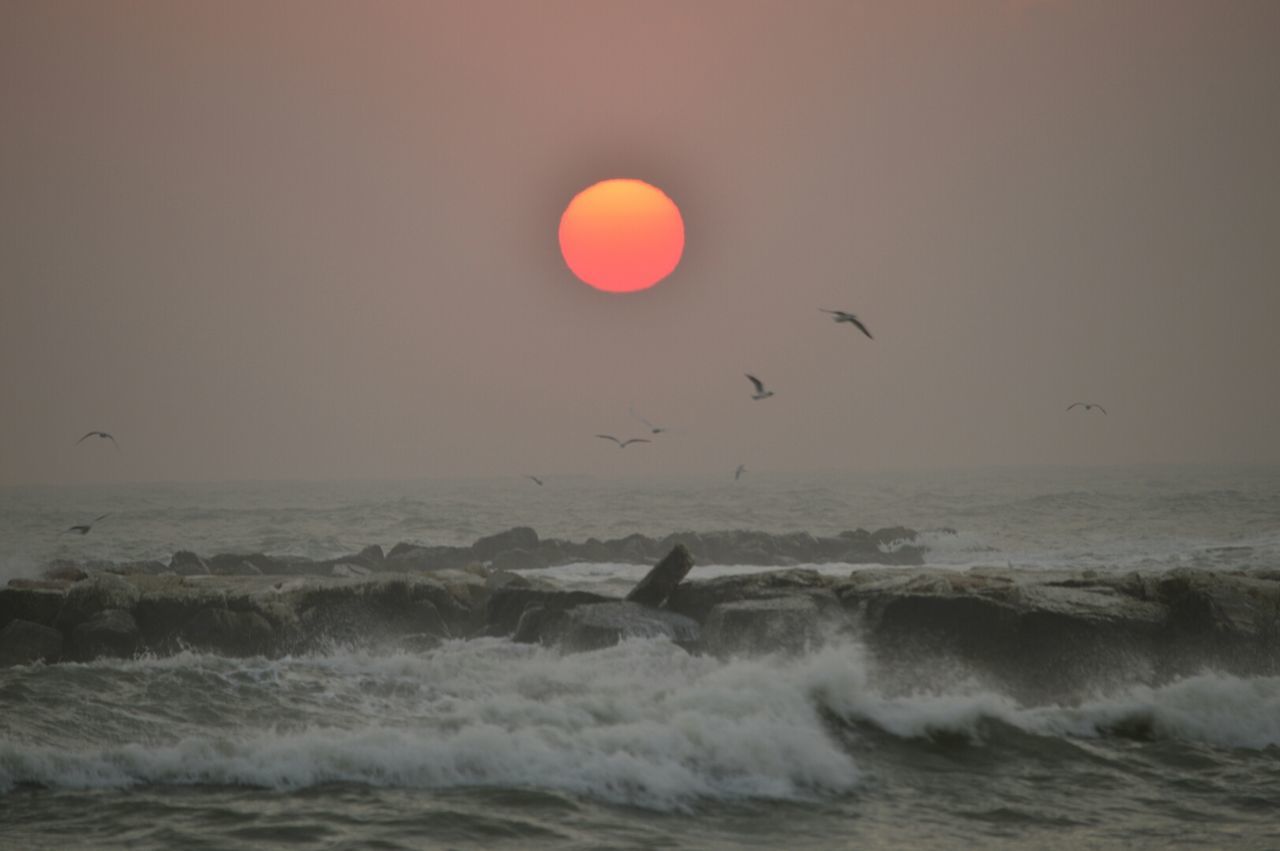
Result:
[{"x": 1034, "y": 634}]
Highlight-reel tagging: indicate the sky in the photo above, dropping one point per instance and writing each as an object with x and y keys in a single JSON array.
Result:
[{"x": 317, "y": 240}]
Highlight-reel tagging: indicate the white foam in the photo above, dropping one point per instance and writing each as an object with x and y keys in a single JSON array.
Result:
[
  {"x": 1213, "y": 709},
  {"x": 642, "y": 723}
]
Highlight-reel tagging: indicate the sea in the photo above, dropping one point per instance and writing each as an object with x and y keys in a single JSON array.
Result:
[{"x": 485, "y": 743}]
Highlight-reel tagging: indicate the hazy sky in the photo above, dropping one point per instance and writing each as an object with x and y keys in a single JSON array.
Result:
[{"x": 315, "y": 240}]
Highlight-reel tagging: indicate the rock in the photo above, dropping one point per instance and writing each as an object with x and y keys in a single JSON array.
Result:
[
  {"x": 25, "y": 643},
  {"x": 506, "y": 605},
  {"x": 65, "y": 570},
  {"x": 596, "y": 625},
  {"x": 696, "y": 599},
  {"x": 790, "y": 624},
  {"x": 109, "y": 633},
  {"x": 535, "y": 622},
  {"x": 658, "y": 583},
  {"x": 187, "y": 563},
  {"x": 519, "y": 538},
  {"x": 228, "y": 632},
  {"x": 371, "y": 555},
  {"x": 348, "y": 570},
  {"x": 36, "y": 604},
  {"x": 100, "y": 592}
]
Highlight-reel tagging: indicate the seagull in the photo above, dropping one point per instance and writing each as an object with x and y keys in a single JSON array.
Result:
[
  {"x": 652, "y": 428},
  {"x": 737, "y": 474},
  {"x": 623, "y": 444},
  {"x": 1088, "y": 406},
  {"x": 843, "y": 316},
  {"x": 101, "y": 434},
  {"x": 760, "y": 393},
  {"x": 534, "y": 479},
  {"x": 84, "y": 528}
]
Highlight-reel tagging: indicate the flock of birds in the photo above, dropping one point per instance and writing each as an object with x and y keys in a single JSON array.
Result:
[{"x": 759, "y": 392}]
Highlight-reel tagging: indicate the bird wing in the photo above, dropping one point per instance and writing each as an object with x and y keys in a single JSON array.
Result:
[
  {"x": 110, "y": 438},
  {"x": 757, "y": 382},
  {"x": 81, "y": 529},
  {"x": 610, "y": 437},
  {"x": 100, "y": 516},
  {"x": 86, "y": 437},
  {"x": 637, "y": 415},
  {"x": 1100, "y": 408},
  {"x": 635, "y": 440},
  {"x": 1074, "y": 405},
  {"x": 861, "y": 327}
]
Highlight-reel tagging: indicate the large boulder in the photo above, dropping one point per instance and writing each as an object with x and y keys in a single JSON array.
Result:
[
  {"x": 596, "y": 625},
  {"x": 25, "y": 643},
  {"x": 187, "y": 563},
  {"x": 697, "y": 598},
  {"x": 36, "y": 604},
  {"x": 507, "y": 605},
  {"x": 245, "y": 633},
  {"x": 99, "y": 592},
  {"x": 658, "y": 583},
  {"x": 519, "y": 538},
  {"x": 109, "y": 633},
  {"x": 788, "y": 624}
]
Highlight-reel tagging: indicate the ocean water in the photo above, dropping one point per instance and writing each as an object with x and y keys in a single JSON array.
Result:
[{"x": 485, "y": 743}]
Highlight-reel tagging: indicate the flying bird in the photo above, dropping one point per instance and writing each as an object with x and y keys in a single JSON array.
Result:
[
  {"x": 843, "y": 316},
  {"x": 760, "y": 393},
  {"x": 1088, "y": 406},
  {"x": 653, "y": 429},
  {"x": 84, "y": 528},
  {"x": 737, "y": 474},
  {"x": 534, "y": 479},
  {"x": 101, "y": 434},
  {"x": 623, "y": 444}
]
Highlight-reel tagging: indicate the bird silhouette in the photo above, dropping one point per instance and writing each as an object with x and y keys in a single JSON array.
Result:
[
  {"x": 1088, "y": 406},
  {"x": 84, "y": 528},
  {"x": 760, "y": 393},
  {"x": 737, "y": 474},
  {"x": 623, "y": 444},
  {"x": 844, "y": 316},
  {"x": 101, "y": 434},
  {"x": 653, "y": 429},
  {"x": 534, "y": 479}
]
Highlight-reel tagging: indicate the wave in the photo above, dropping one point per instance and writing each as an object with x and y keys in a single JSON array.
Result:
[{"x": 641, "y": 723}]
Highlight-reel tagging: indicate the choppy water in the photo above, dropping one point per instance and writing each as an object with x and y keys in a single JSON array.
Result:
[{"x": 485, "y": 743}]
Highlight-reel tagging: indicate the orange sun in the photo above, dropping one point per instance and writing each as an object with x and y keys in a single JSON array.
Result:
[{"x": 621, "y": 235}]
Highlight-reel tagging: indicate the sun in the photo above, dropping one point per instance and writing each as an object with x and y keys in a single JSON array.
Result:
[{"x": 622, "y": 235}]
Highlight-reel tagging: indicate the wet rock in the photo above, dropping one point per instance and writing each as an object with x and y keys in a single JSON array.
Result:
[
  {"x": 65, "y": 570},
  {"x": 596, "y": 625},
  {"x": 187, "y": 563},
  {"x": 790, "y": 624},
  {"x": 25, "y": 643},
  {"x": 229, "y": 632},
  {"x": 37, "y": 604},
  {"x": 697, "y": 598},
  {"x": 519, "y": 538},
  {"x": 658, "y": 583},
  {"x": 506, "y": 605},
  {"x": 110, "y": 633},
  {"x": 99, "y": 592}
]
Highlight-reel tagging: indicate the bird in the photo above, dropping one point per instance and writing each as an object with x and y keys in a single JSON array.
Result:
[
  {"x": 1088, "y": 406},
  {"x": 84, "y": 528},
  {"x": 760, "y": 393},
  {"x": 101, "y": 434},
  {"x": 623, "y": 444},
  {"x": 737, "y": 474},
  {"x": 653, "y": 429},
  {"x": 844, "y": 316},
  {"x": 534, "y": 479}
]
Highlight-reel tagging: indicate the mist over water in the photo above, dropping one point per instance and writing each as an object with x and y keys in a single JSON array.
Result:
[{"x": 486, "y": 742}]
